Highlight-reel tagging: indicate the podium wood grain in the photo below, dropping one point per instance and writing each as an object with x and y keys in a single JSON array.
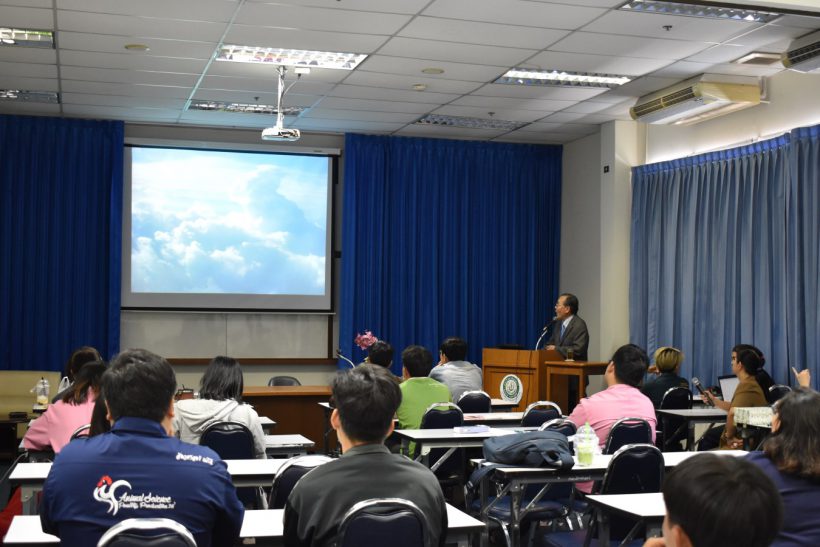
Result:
[{"x": 294, "y": 408}]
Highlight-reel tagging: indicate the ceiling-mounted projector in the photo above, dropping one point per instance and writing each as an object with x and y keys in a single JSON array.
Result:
[{"x": 280, "y": 134}]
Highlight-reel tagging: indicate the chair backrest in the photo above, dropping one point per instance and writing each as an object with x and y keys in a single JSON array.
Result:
[
  {"x": 80, "y": 432},
  {"x": 777, "y": 392},
  {"x": 633, "y": 469},
  {"x": 147, "y": 532},
  {"x": 284, "y": 381},
  {"x": 289, "y": 474},
  {"x": 673, "y": 430},
  {"x": 628, "y": 431},
  {"x": 231, "y": 440},
  {"x": 539, "y": 413},
  {"x": 443, "y": 416},
  {"x": 561, "y": 425},
  {"x": 386, "y": 521},
  {"x": 475, "y": 401},
  {"x": 676, "y": 398}
]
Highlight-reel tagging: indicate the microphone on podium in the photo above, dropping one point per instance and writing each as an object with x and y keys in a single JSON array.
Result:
[{"x": 545, "y": 330}]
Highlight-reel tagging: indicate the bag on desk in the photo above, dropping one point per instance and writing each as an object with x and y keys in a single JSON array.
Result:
[{"x": 530, "y": 449}]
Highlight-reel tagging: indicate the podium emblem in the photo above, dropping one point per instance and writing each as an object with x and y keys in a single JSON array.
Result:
[{"x": 511, "y": 388}]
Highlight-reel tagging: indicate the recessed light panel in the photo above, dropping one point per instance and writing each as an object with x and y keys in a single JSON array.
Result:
[
  {"x": 244, "y": 108},
  {"x": 26, "y": 37},
  {"x": 290, "y": 57},
  {"x": 563, "y": 78},
  {"x": 472, "y": 123},
  {"x": 699, "y": 10},
  {"x": 29, "y": 96}
]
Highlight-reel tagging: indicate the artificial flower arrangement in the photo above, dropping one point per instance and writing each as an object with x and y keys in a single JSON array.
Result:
[{"x": 365, "y": 340}]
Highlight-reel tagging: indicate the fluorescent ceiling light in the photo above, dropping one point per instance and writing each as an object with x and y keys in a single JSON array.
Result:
[
  {"x": 29, "y": 96},
  {"x": 290, "y": 57},
  {"x": 526, "y": 76},
  {"x": 244, "y": 108},
  {"x": 700, "y": 10},
  {"x": 472, "y": 123},
  {"x": 26, "y": 37}
]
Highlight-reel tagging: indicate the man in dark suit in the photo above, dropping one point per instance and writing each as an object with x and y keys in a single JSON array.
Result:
[{"x": 569, "y": 332}]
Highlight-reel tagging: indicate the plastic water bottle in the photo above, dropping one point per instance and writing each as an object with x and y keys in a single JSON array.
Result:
[
  {"x": 585, "y": 443},
  {"x": 41, "y": 391}
]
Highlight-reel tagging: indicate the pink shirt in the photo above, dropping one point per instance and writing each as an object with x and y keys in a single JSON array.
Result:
[
  {"x": 53, "y": 429},
  {"x": 606, "y": 407}
]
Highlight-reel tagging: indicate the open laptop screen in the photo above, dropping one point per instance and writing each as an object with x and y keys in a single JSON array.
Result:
[{"x": 728, "y": 384}]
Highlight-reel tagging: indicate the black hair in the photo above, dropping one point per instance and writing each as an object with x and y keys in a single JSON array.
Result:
[
  {"x": 570, "y": 301},
  {"x": 752, "y": 360},
  {"x": 222, "y": 380},
  {"x": 795, "y": 447},
  {"x": 723, "y": 500},
  {"x": 455, "y": 349},
  {"x": 631, "y": 363},
  {"x": 380, "y": 353},
  {"x": 417, "y": 360},
  {"x": 89, "y": 376},
  {"x": 139, "y": 384},
  {"x": 99, "y": 418},
  {"x": 366, "y": 397},
  {"x": 79, "y": 357}
]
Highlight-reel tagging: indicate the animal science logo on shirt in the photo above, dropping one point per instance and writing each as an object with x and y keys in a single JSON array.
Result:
[{"x": 117, "y": 494}]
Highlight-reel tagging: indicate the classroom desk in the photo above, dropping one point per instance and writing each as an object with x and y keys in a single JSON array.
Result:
[
  {"x": 267, "y": 424},
  {"x": 646, "y": 509},
  {"x": 428, "y": 439},
  {"x": 516, "y": 479},
  {"x": 287, "y": 446},
  {"x": 692, "y": 416},
  {"x": 293, "y": 407},
  {"x": 265, "y": 525},
  {"x": 493, "y": 418}
]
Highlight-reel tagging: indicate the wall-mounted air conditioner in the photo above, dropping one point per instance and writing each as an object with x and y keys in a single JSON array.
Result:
[
  {"x": 697, "y": 99},
  {"x": 803, "y": 54}
]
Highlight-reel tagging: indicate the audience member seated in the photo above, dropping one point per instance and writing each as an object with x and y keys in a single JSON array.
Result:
[
  {"x": 791, "y": 458},
  {"x": 139, "y": 469},
  {"x": 220, "y": 400},
  {"x": 418, "y": 391},
  {"x": 453, "y": 371},
  {"x": 747, "y": 365},
  {"x": 667, "y": 364},
  {"x": 717, "y": 501},
  {"x": 380, "y": 353},
  {"x": 366, "y": 399},
  {"x": 53, "y": 429},
  {"x": 81, "y": 356}
]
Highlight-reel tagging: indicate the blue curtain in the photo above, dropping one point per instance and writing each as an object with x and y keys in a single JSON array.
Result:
[
  {"x": 60, "y": 239},
  {"x": 718, "y": 258},
  {"x": 448, "y": 238},
  {"x": 803, "y": 251}
]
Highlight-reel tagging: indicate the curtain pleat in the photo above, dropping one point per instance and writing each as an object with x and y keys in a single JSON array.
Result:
[
  {"x": 448, "y": 238},
  {"x": 60, "y": 239}
]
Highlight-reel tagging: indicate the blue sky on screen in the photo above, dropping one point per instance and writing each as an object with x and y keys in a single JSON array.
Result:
[{"x": 227, "y": 222}]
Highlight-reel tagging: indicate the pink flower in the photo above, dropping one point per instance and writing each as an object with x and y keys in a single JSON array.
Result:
[{"x": 365, "y": 340}]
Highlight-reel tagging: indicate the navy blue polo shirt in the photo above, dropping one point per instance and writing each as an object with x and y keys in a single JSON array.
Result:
[{"x": 138, "y": 471}]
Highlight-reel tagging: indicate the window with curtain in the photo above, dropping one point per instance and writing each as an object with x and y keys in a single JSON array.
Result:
[
  {"x": 448, "y": 238},
  {"x": 60, "y": 239},
  {"x": 722, "y": 246}
]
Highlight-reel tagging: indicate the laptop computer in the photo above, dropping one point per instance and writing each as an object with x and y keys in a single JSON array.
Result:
[{"x": 728, "y": 384}]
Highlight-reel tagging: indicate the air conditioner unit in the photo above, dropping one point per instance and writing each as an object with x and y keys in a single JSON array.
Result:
[
  {"x": 697, "y": 99},
  {"x": 803, "y": 54}
]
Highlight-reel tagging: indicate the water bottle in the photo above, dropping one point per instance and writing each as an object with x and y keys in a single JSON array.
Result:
[
  {"x": 40, "y": 390},
  {"x": 585, "y": 443}
]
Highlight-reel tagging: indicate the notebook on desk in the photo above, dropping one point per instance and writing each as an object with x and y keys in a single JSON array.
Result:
[{"x": 728, "y": 384}]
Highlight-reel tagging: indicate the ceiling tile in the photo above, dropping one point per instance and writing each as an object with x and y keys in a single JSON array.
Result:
[
  {"x": 255, "y": 97},
  {"x": 376, "y": 79},
  {"x": 121, "y": 113},
  {"x": 445, "y": 132},
  {"x": 361, "y": 115},
  {"x": 260, "y": 84},
  {"x": 119, "y": 100},
  {"x": 131, "y": 61},
  {"x": 43, "y": 109},
  {"x": 128, "y": 90},
  {"x": 540, "y": 92},
  {"x": 682, "y": 28},
  {"x": 515, "y": 12},
  {"x": 269, "y": 73},
  {"x": 606, "y": 64},
  {"x": 483, "y": 113},
  {"x": 104, "y": 43},
  {"x": 376, "y": 106},
  {"x": 8, "y": 81},
  {"x": 311, "y": 18},
  {"x": 452, "y": 71},
  {"x": 139, "y": 27},
  {"x": 27, "y": 17},
  {"x": 28, "y": 55},
  {"x": 385, "y": 6},
  {"x": 455, "y": 52},
  {"x": 31, "y": 70},
  {"x": 346, "y": 125},
  {"x": 312, "y": 40},
  {"x": 202, "y": 10},
  {"x": 519, "y": 103},
  {"x": 628, "y": 46},
  {"x": 473, "y": 32},
  {"x": 387, "y": 94},
  {"x": 127, "y": 76},
  {"x": 536, "y": 137}
]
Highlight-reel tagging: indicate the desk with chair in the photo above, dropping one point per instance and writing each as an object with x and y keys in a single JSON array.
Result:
[
  {"x": 287, "y": 446},
  {"x": 265, "y": 525},
  {"x": 692, "y": 416},
  {"x": 428, "y": 439},
  {"x": 644, "y": 509},
  {"x": 267, "y": 424}
]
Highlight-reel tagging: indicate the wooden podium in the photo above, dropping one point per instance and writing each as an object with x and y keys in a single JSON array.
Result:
[{"x": 526, "y": 364}]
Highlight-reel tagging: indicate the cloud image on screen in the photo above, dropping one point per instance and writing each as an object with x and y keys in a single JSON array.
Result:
[{"x": 228, "y": 222}]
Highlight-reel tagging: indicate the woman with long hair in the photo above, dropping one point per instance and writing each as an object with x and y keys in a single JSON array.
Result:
[
  {"x": 53, "y": 429},
  {"x": 791, "y": 458},
  {"x": 220, "y": 400}
]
